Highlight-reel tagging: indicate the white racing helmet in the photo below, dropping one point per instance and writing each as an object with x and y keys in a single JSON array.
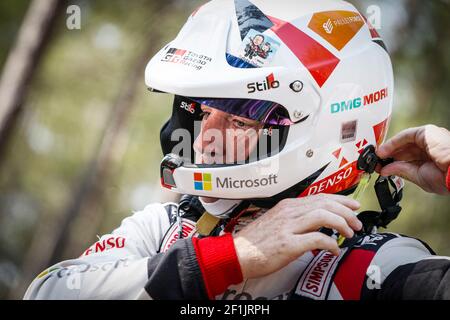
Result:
[{"x": 314, "y": 70}]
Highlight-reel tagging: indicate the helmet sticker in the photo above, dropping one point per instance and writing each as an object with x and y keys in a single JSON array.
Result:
[
  {"x": 380, "y": 131},
  {"x": 336, "y": 27},
  {"x": 267, "y": 84},
  {"x": 348, "y": 131},
  {"x": 361, "y": 145},
  {"x": 202, "y": 181},
  {"x": 238, "y": 62},
  {"x": 250, "y": 17},
  {"x": 337, "y": 155},
  {"x": 319, "y": 61},
  {"x": 258, "y": 49},
  {"x": 343, "y": 163},
  {"x": 337, "y": 182},
  {"x": 186, "y": 58},
  {"x": 357, "y": 103}
]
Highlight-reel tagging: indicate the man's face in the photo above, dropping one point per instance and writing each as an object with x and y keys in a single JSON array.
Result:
[
  {"x": 225, "y": 138},
  {"x": 258, "y": 40}
]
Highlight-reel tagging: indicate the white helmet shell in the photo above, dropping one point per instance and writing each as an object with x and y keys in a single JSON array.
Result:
[{"x": 334, "y": 78}]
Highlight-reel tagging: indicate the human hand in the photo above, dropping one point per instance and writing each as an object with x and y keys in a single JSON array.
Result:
[
  {"x": 289, "y": 230},
  {"x": 422, "y": 156}
]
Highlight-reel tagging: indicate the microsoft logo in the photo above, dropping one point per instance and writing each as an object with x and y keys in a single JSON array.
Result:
[{"x": 202, "y": 181}]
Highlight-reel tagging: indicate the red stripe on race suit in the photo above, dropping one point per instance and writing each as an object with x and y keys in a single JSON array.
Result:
[
  {"x": 351, "y": 273},
  {"x": 218, "y": 263}
]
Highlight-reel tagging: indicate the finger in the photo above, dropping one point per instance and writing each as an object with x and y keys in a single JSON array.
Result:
[
  {"x": 426, "y": 175},
  {"x": 410, "y": 135},
  {"x": 315, "y": 240},
  {"x": 344, "y": 200},
  {"x": 321, "y": 218},
  {"x": 407, "y": 170},
  {"x": 410, "y": 152},
  {"x": 378, "y": 168},
  {"x": 348, "y": 214}
]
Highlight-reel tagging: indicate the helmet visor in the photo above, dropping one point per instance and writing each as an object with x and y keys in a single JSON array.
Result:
[
  {"x": 266, "y": 112},
  {"x": 184, "y": 134}
]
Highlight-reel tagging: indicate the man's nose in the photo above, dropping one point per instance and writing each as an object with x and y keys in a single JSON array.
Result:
[{"x": 214, "y": 125}]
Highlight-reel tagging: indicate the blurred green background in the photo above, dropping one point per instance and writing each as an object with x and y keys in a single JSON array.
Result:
[{"x": 83, "y": 152}]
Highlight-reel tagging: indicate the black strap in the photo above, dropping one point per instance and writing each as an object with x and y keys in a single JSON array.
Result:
[
  {"x": 388, "y": 199},
  {"x": 389, "y": 203}
]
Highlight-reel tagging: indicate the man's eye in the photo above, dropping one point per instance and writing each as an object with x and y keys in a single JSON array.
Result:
[{"x": 240, "y": 124}]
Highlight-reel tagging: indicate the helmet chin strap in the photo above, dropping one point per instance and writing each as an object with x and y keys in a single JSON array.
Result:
[
  {"x": 221, "y": 208},
  {"x": 389, "y": 192},
  {"x": 388, "y": 199}
]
